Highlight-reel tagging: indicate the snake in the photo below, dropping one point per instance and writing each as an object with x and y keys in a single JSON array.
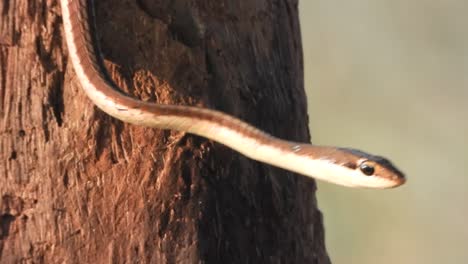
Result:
[{"x": 338, "y": 165}]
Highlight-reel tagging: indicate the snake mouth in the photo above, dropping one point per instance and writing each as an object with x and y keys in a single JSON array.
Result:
[
  {"x": 385, "y": 183},
  {"x": 401, "y": 181}
]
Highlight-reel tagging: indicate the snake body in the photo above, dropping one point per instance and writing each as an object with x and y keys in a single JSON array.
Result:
[{"x": 341, "y": 166}]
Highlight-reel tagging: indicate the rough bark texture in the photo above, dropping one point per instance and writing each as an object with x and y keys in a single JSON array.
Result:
[{"x": 77, "y": 186}]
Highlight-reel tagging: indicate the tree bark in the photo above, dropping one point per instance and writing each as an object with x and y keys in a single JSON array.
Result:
[{"x": 77, "y": 186}]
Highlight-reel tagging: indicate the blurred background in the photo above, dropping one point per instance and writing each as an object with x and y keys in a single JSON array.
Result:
[{"x": 391, "y": 77}]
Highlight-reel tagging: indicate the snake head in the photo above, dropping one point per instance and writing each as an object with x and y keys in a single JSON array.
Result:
[
  {"x": 373, "y": 170},
  {"x": 343, "y": 166}
]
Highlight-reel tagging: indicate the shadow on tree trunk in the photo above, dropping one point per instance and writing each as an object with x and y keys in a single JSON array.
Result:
[{"x": 77, "y": 186}]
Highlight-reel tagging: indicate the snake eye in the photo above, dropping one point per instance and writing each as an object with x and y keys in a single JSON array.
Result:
[{"x": 367, "y": 169}]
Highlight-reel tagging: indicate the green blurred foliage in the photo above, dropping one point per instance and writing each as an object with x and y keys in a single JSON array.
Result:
[{"x": 391, "y": 77}]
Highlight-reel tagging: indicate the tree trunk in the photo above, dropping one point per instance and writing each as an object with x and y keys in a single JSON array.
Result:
[{"x": 77, "y": 186}]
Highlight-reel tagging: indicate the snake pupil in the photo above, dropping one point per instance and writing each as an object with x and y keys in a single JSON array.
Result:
[{"x": 367, "y": 169}]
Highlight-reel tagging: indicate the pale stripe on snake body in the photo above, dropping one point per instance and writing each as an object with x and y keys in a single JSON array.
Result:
[{"x": 342, "y": 166}]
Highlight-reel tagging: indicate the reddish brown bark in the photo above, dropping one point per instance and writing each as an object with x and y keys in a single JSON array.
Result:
[{"x": 77, "y": 186}]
